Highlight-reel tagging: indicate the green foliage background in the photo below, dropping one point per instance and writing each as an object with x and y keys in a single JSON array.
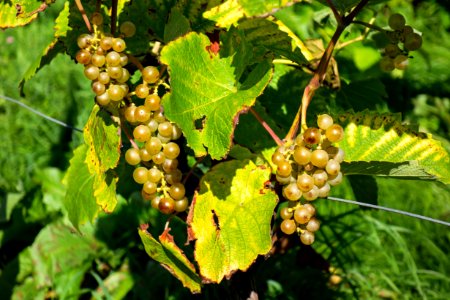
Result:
[{"x": 376, "y": 254}]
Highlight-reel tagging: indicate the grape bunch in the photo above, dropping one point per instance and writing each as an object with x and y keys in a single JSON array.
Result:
[
  {"x": 402, "y": 39},
  {"x": 154, "y": 152},
  {"x": 307, "y": 170}
]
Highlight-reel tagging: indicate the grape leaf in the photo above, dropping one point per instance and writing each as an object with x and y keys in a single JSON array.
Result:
[
  {"x": 374, "y": 137},
  {"x": 171, "y": 257},
  {"x": 79, "y": 201},
  {"x": 206, "y": 97},
  {"x": 230, "y": 218},
  {"x": 20, "y": 13}
]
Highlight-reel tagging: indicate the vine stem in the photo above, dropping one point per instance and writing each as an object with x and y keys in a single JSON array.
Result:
[
  {"x": 266, "y": 127},
  {"x": 320, "y": 73},
  {"x": 83, "y": 14},
  {"x": 113, "y": 16},
  {"x": 127, "y": 133},
  {"x": 368, "y": 25}
]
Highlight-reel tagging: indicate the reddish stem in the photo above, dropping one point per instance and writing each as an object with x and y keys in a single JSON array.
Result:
[
  {"x": 267, "y": 127},
  {"x": 83, "y": 14}
]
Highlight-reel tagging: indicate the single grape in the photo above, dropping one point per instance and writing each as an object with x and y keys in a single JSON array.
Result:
[
  {"x": 145, "y": 155},
  {"x": 103, "y": 99},
  {"x": 141, "y": 90},
  {"x": 407, "y": 30},
  {"x": 307, "y": 237},
  {"x": 313, "y": 225},
  {"x": 336, "y": 153},
  {"x": 116, "y": 93},
  {"x": 288, "y": 226},
  {"x": 83, "y": 57},
  {"x": 302, "y": 215},
  {"x": 149, "y": 187},
  {"x": 181, "y": 205},
  {"x": 170, "y": 165},
  {"x": 123, "y": 59},
  {"x": 142, "y": 133},
  {"x": 165, "y": 129},
  {"x": 124, "y": 77},
  {"x": 335, "y": 133},
  {"x": 335, "y": 179},
  {"x": 150, "y": 74},
  {"x": 312, "y": 194},
  {"x": 333, "y": 167},
  {"x": 286, "y": 213},
  {"x": 177, "y": 191},
  {"x": 159, "y": 158},
  {"x": 118, "y": 44},
  {"x": 310, "y": 208},
  {"x": 91, "y": 72},
  {"x": 320, "y": 177},
  {"x": 155, "y": 202},
  {"x": 159, "y": 117},
  {"x": 106, "y": 43},
  {"x": 113, "y": 59},
  {"x": 97, "y": 18},
  {"x": 98, "y": 60},
  {"x": 154, "y": 175},
  {"x": 103, "y": 77},
  {"x": 128, "y": 28},
  {"x": 164, "y": 139},
  {"x": 140, "y": 174},
  {"x": 284, "y": 169},
  {"x": 392, "y": 50},
  {"x": 312, "y": 136},
  {"x": 98, "y": 88},
  {"x": 413, "y": 41},
  {"x": 132, "y": 156},
  {"x": 319, "y": 157},
  {"x": 302, "y": 155},
  {"x": 305, "y": 182},
  {"x": 84, "y": 40},
  {"x": 324, "y": 191},
  {"x": 397, "y": 21},
  {"x": 171, "y": 150},
  {"x": 277, "y": 157},
  {"x": 387, "y": 64},
  {"x": 153, "y": 146},
  {"x": 324, "y": 121},
  {"x": 152, "y": 102},
  {"x": 166, "y": 205},
  {"x": 284, "y": 180},
  {"x": 292, "y": 192},
  {"x": 401, "y": 62},
  {"x": 129, "y": 113},
  {"x": 115, "y": 72},
  {"x": 173, "y": 177},
  {"x": 142, "y": 114}
]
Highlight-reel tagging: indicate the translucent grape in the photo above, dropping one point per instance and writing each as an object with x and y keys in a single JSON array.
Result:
[
  {"x": 177, "y": 191},
  {"x": 307, "y": 237},
  {"x": 284, "y": 169},
  {"x": 166, "y": 205},
  {"x": 140, "y": 174},
  {"x": 150, "y": 74},
  {"x": 305, "y": 182},
  {"x": 397, "y": 21},
  {"x": 286, "y": 213},
  {"x": 288, "y": 226},
  {"x": 141, "y": 133},
  {"x": 302, "y": 155},
  {"x": 319, "y": 158},
  {"x": 181, "y": 205},
  {"x": 312, "y": 136},
  {"x": 292, "y": 192},
  {"x": 324, "y": 121},
  {"x": 132, "y": 156},
  {"x": 128, "y": 28}
]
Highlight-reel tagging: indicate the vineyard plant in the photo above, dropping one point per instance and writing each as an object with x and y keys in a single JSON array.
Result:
[{"x": 233, "y": 149}]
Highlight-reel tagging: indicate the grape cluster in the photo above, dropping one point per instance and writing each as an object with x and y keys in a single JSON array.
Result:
[
  {"x": 394, "y": 55},
  {"x": 154, "y": 154},
  {"x": 307, "y": 170}
]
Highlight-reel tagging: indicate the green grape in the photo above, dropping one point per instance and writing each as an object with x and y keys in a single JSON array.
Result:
[
  {"x": 154, "y": 175},
  {"x": 171, "y": 150},
  {"x": 170, "y": 165},
  {"x": 145, "y": 155},
  {"x": 91, "y": 72},
  {"x": 98, "y": 60},
  {"x": 324, "y": 121},
  {"x": 153, "y": 125},
  {"x": 413, "y": 41},
  {"x": 140, "y": 174},
  {"x": 127, "y": 28},
  {"x": 310, "y": 208},
  {"x": 397, "y": 21},
  {"x": 124, "y": 77},
  {"x": 164, "y": 139},
  {"x": 159, "y": 158},
  {"x": 113, "y": 59},
  {"x": 153, "y": 146},
  {"x": 312, "y": 194},
  {"x": 173, "y": 177},
  {"x": 142, "y": 133},
  {"x": 150, "y": 74},
  {"x": 103, "y": 77},
  {"x": 118, "y": 44},
  {"x": 155, "y": 202},
  {"x": 307, "y": 237},
  {"x": 320, "y": 177},
  {"x": 305, "y": 182},
  {"x": 292, "y": 192},
  {"x": 141, "y": 91},
  {"x": 181, "y": 205},
  {"x": 106, "y": 43},
  {"x": 177, "y": 191},
  {"x": 333, "y": 167},
  {"x": 123, "y": 59},
  {"x": 165, "y": 129},
  {"x": 302, "y": 155},
  {"x": 83, "y": 57},
  {"x": 335, "y": 133},
  {"x": 313, "y": 225},
  {"x": 387, "y": 64},
  {"x": 407, "y": 30},
  {"x": 149, "y": 187},
  {"x": 392, "y": 50},
  {"x": 312, "y": 136},
  {"x": 98, "y": 88},
  {"x": 286, "y": 213},
  {"x": 97, "y": 18},
  {"x": 401, "y": 62},
  {"x": 142, "y": 114},
  {"x": 116, "y": 93},
  {"x": 324, "y": 191},
  {"x": 319, "y": 157},
  {"x": 166, "y": 205},
  {"x": 335, "y": 179},
  {"x": 288, "y": 226},
  {"x": 284, "y": 169},
  {"x": 103, "y": 99},
  {"x": 132, "y": 156},
  {"x": 159, "y": 117},
  {"x": 176, "y": 132},
  {"x": 129, "y": 113},
  {"x": 84, "y": 40},
  {"x": 302, "y": 215},
  {"x": 277, "y": 157},
  {"x": 115, "y": 72},
  {"x": 152, "y": 102}
]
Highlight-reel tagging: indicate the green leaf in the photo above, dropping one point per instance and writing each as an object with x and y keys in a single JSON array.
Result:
[
  {"x": 7, "y": 204},
  {"x": 176, "y": 26},
  {"x": 20, "y": 13},
  {"x": 374, "y": 137},
  {"x": 401, "y": 170},
  {"x": 362, "y": 94},
  {"x": 79, "y": 200},
  {"x": 364, "y": 188},
  {"x": 231, "y": 218},
  {"x": 172, "y": 258},
  {"x": 259, "y": 7},
  {"x": 206, "y": 97}
]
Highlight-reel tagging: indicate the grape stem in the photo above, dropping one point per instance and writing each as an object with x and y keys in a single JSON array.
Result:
[
  {"x": 127, "y": 133},
  {"x": 369, "y": 25},
  {"x": 135, "y": 62},
  {"x": 266, "y": 126},
  {"x": 83, "y": 14},
  {"x": 335, "y": 11},
  {"x": 320, "y": 73}
]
